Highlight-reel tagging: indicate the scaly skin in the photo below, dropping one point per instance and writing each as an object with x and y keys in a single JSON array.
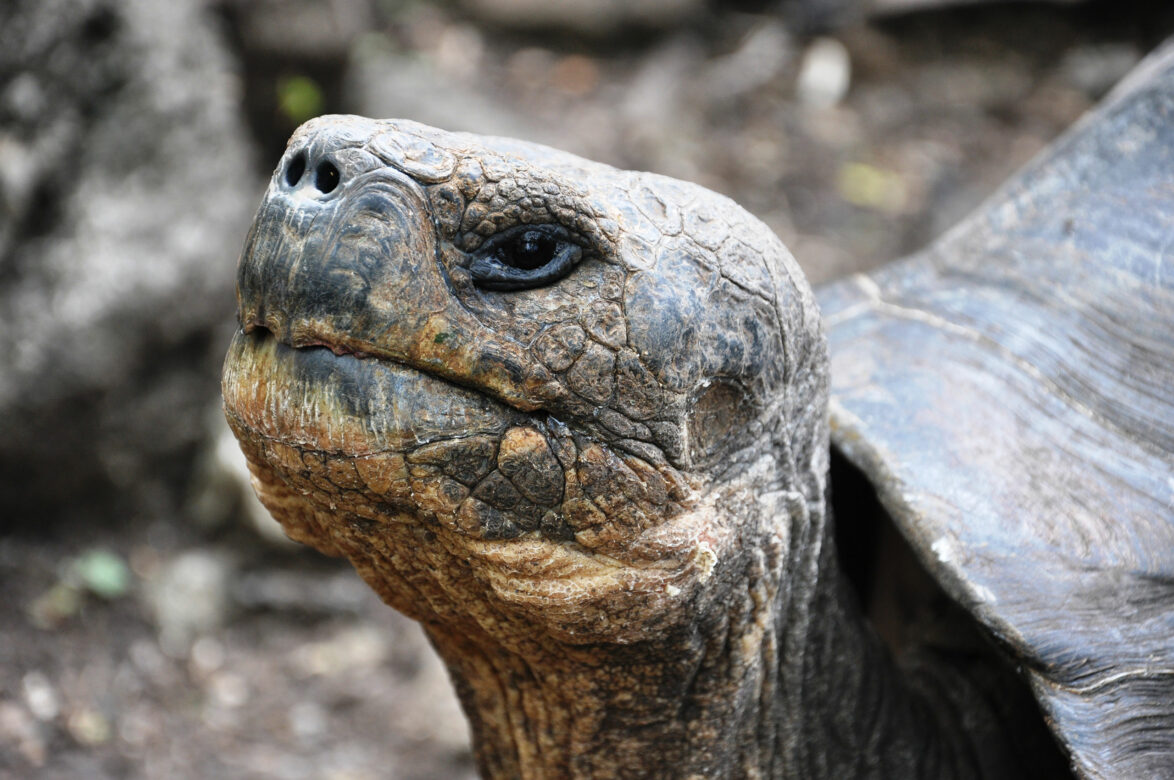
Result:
[{"x": 603, "y": 496}]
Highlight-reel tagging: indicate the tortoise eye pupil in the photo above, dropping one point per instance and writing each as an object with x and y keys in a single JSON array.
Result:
[{"x": 532, "y": 249}]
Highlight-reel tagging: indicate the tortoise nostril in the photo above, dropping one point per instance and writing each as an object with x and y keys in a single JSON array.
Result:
[
  {"x": 297, "y": 166},
  {"x": 326, "y": 177}
]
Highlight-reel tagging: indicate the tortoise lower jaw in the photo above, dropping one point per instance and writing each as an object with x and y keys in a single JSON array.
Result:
[{"x": 314, "y": 399}]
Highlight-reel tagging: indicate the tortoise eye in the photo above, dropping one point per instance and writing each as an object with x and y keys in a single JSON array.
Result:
[{"x": 525, "y": 257}]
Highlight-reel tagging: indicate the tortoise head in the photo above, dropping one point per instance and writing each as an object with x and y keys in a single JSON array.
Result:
[{"x": 514, "y": 385}]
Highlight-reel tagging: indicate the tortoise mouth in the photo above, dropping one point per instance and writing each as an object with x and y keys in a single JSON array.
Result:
[{"x": 323, "y": 397}]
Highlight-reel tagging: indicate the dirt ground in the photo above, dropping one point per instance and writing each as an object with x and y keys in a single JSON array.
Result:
[{"x": 182, "y": 647}]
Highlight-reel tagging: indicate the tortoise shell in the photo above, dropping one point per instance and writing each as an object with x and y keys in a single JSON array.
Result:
[{"x": 1010, "y": 393}]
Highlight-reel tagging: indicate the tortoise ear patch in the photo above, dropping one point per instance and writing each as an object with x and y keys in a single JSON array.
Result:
[{"x": 720, "y": 409}]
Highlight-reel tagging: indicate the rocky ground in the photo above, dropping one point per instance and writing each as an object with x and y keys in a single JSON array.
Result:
[{"x": 149, "y": 627}]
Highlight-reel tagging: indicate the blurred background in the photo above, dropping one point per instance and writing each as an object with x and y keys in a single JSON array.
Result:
[{"x": 154, "y": 623}]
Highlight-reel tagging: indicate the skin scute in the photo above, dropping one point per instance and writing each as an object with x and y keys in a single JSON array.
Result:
[{"x": 604, "y": 496}]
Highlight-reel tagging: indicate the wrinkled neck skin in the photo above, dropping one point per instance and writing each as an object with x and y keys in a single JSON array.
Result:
[{"x": 777, "y": 675}]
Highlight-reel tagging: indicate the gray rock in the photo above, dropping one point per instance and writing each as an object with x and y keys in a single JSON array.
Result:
[
  {"x": 300, "y": 591},
  {"x": 825, "y": 74},
  {"x": 584, "y": 17},
  {"x": 1095, "y": 68},
  {"x": 384, "y": 82},
  {"x": 306, "y": 29},
  {"x": 189, "y": 597},
  {"x": 221, "y": 490},
  {"x": 20, "y": 732},
  {"x": 882, "y": 7},
  {"x": 125, "y": 186}
]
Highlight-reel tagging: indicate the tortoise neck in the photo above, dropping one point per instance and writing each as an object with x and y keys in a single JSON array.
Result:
[
  {"x": 774, "y": 684},
  {"x": 696, "y": 704},
  {"x": 854, "y": 712},
  {"x": 952, "y": 709}
]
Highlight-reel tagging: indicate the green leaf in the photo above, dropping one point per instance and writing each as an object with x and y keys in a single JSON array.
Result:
[
  {"x": 103, "y": 573},
  {"x": 299, "y": 98}
]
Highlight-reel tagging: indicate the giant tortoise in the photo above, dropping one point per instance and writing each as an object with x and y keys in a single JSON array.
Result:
[{"x": 575, "y": 420}]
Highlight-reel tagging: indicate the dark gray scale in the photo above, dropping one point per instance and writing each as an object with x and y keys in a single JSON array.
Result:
[{"x": 1010, "y": 394}]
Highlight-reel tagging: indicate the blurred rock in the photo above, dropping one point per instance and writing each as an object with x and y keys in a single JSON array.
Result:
[
  {"x": 1095, "y": 69},
  {"x": 300, "y": 591},
  {"x": 595, "y": 18},
  {"x": 436, "y": 716},
  {"x": 383, "y": 82},
  {"x": 19, "y": 731},
  {"x": 352, "y": 651},
  {"x": 308, "y": 720},
  {"x": 825, "y": 74},
  {"x": 310, "y": 29},
  {"x": 125, "y": 193},
  {"x": 764, "y": 55},
  {"x": 40, "y": 696},
  {"x": 88, "y": 726},
  {"x": 815, "y": 17},
  {"x": 222, "y": 489},
  {"x": 812, "y": 17},
  {"x": 650, "y": 126},
  {"x": 189, "y": 597},
  {"x": 881, "y": 7}
]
